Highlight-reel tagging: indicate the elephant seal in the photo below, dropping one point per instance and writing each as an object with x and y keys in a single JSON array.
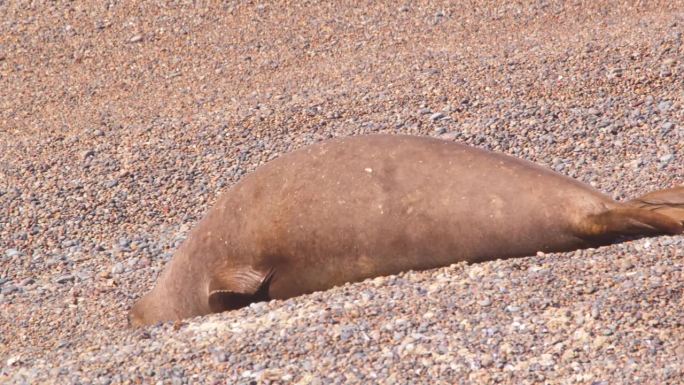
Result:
[{"x": 349, "y": 209}]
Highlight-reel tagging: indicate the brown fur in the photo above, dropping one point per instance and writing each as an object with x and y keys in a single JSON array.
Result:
[{"x": 350, "y": 209}]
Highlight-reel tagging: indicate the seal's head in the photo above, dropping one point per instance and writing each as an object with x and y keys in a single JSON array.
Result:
[
  {"x": 179, "y": 293},
  {"x": 146, "y": 311},
  {"x": 163, "y": 304}
]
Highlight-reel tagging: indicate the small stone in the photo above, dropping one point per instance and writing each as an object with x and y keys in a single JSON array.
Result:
[
  {"x": 220, "y": 357},
  {"x": 604, "y": 123},
  {"x": 485, "y": 302},
  {"x": 346, "y": 334},
  {"x": 666, "y": 127},
  {"x": 69, "y": 243},
  {"x": 486, "y": 360},
  {"x": 65, "y": 278},
  {"x": 599, "y": 342},
  {"x": 449, "y": 135},
  {"x": 136, "y": 39},
  {"x": 615, "y": 73},
  {"x": 664, "y": 106},
  {"x": 436, "y": 116},
  {"x": 636, "y": 163},
  {"x": 626, "y": 264},
  {"x": 568, "y": 355},
  {"x": 424, "y": 111},
  {"x": 666, "y": 158},
  {"x": 9, "y": 289},
  {"x": 87, "y": 154},
  {"x": 559, "y": 166},
  {"x": 595, "y": 312},
  {"x": 111, "y": 183},
  {"x": 118, "y": 268},
  {"x": 546, "y": 360}
]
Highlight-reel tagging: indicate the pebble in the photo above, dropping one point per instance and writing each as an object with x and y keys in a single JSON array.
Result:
[
  {"x": 546, "y": 360},
  {"x": 87, "y": 154},
  {"x": 449, "y": 135},
  {"x": 486, "y": 360},
  {"x": 666, "y": 158},
  {"x": 664, "y": 106},
  {"x": 118, "y": 268},
  {"x": 64, "y": 278},
  {"x": 436, "y": 116},
  {"x": 637, "y": 163},
  {"x": 8, "y": 289},
  {"x": 111, "y": 183},
  {"x": 485, "y": 302}
]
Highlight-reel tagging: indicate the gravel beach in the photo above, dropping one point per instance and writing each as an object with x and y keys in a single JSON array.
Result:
[{"x": 120, "y": 124}]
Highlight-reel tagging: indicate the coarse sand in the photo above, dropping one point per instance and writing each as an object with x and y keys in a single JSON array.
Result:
[{"x": 121, "y": 122}]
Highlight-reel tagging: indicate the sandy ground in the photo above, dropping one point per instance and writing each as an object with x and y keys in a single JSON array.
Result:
[{"x": 120, "y": 124}]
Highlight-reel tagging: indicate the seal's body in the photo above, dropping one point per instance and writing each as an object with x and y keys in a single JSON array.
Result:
[{"x": 359, "y": 207}]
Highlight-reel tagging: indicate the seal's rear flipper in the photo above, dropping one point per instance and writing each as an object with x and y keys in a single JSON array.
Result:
[
  {"x": 668, "y": 202},
  {"x": 236, "y": 288},
  {"x": 626, "y": 221}
]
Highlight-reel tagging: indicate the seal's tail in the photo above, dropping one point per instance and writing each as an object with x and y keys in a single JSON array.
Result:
[{"x": 668, "y": 202}]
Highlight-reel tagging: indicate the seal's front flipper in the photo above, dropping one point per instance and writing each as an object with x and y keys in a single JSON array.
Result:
[
  {"x": 668, "y": 202},
  {"x": 236, "y": 288}
]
